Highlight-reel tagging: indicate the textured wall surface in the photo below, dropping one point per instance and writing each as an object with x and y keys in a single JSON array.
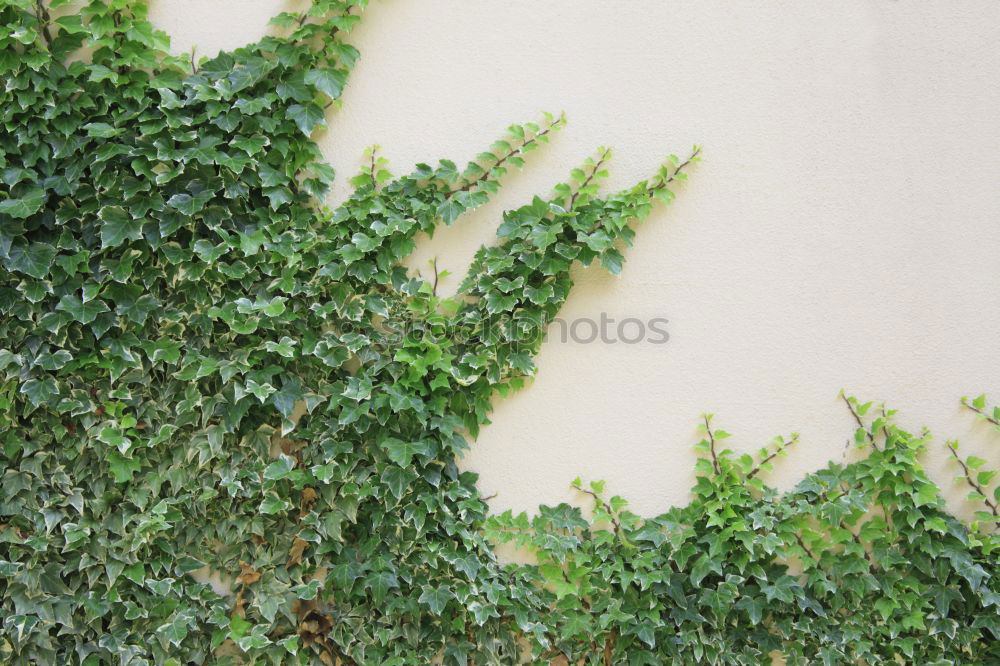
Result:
[{"x": 843, "y": 229}]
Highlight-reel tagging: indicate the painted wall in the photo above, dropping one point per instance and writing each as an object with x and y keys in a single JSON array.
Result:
[{"x": 843, "y": 229}]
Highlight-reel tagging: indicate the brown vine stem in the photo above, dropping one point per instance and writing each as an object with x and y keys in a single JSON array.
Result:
[
  {"x": 784, "y": 445},
  {"x": 434, "y": 287},
  {"x": 711, "y": 445},
  {"x": 680, "y": 169},
  {"x": 607, "y": 507},
  {"x": 609, "y": 646},
  {"x": 857, "y": 540},
  {"x": 511, "y": 153},
  {"x": 967, "y": 473},
  {"x": 823, "y": 496},
  {"x": 803, "y": 546},
  {"x": 885, "y": 430},
  {"x": 981, "y": 412},
  {"x": 43, "y": 19},
  {"x": 305, "y": 17},
  {"x": 844, "y": 491},
  {"x": 590, "y": 177},
  {"x": 857, "y": 419}
]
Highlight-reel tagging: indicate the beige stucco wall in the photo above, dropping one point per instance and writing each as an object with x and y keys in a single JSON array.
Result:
[{"x": 842, "y": 231}]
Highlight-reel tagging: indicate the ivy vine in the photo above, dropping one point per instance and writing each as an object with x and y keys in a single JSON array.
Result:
[{"x": 209, "y": 375}]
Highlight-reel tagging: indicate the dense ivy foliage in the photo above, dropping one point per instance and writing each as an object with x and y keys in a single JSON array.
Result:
[
  {"x": 206, "y": 372},
  {"x": 859, "y": 563}
]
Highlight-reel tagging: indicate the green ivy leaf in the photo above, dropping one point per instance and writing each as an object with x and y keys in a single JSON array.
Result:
[
  {"x": 53, "y": 360},
  {"x": 25, "y": 205},
  {"x": 40, "y": 391},
  {"x": 401, "y": 452},
  {"x": 135, "y": 573},
  {"x": 380, "y": 584},
  {"x": 280, "y": 468},
  {"x": 83, "y": 312},
  {"x": 122, "y": 468},
  {"x": 291, "y": 645},
  {"x": 397, "y": 480},
  {"x": 284, "y": 347},
  {"x": 449, "y": 210},
  {"x": 259, "y": 391},
  {"x": 612, "y": 260},
  {"x": 306, "y": 117},
  {"x": 118, "y": 226},
  {"x": 163, "y": 350},
  {"x": 34, "y": 259},
  {"x": 436, "y": 598},
  {"x": 330, "y": 82},
  {"x": 174, "y": 631},
  {"x": 114, "y": 437},
  {"x": 272, "y": 505}
]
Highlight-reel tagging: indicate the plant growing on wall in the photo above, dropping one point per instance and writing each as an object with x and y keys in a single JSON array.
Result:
[{"x": 206, "y": 371}]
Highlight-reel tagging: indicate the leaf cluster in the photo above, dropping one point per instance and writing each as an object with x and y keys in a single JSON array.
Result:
[{"x": 858, "y": 563}]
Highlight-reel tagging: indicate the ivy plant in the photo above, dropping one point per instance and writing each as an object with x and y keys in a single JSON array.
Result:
[
  {"x": 229, "y": 416},
  {"x": 858, "y": 563}
]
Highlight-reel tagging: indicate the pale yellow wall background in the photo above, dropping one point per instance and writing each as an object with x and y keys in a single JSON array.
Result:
[{"x": 842, "y": 231}]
